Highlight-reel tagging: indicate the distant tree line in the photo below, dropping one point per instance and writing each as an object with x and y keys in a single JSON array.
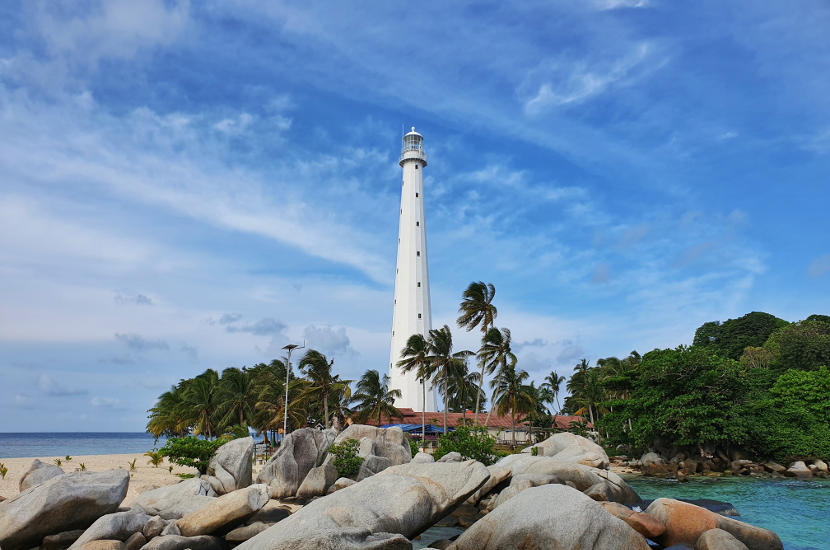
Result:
[{"x": 756, "y": 383}]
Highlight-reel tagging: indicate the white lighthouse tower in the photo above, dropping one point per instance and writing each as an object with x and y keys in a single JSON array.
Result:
[{"x": 412, "y": 312}]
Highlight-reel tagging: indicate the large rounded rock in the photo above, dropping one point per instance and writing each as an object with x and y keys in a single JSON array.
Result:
[
  {"x": 498, "y": 475},
  {"x": 177, "y": 542},
  {"x": 117, "y": 526},
  {"x": 718, "y": 539},
  {"x": 569, "y": 447},
  {"x": 685, "y": 523},
  {"x": 175, "y": 501},
  {"x": 232, "y": 465},
  {"x": 798, "y": 469},
  {"x": 299, "y": 452},
  {"x": 551, "y": 516},
  {"x": 318, "y": 481},
  {"x": 66, "y": 502},
  {"x": 37, "y": 473},
  {"x": 648, "y": 526},
  {"x": 390, "y": 443},
  {"x": 224, "y": 510},
  {"x": 403, "y": 499},
  {"x": 579, "y": 476}
]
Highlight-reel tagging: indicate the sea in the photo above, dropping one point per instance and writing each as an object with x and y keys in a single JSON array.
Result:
[
  {"x": 60, "y": 444},
  {"x": 799, "y": 511}
]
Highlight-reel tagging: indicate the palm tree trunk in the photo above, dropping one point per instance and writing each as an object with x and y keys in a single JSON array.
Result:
[
  {"x": 326, "y": 409},
  {"x": 424, "y": 416},
  {"x": 513, "y": 426},
  {"x": 446, "y": 400},
  {"x": 241, "y": 417},
  {"x": 478, "y": 395}
]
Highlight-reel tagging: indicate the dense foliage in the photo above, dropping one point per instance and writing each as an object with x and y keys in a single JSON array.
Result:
[
  {"x": 472, "y": 442},
  {"x": 191, "y": 451},
  {"x": 756, "y": 383},
  {"x": 346, "y": 459}
]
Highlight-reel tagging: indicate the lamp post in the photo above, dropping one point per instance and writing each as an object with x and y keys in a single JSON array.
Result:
[{"x": 290, "y": 348}]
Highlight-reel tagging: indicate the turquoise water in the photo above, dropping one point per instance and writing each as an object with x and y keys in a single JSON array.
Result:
[
  {"x": 15, "y": 445},
  {"x": 799, "y": 511}
]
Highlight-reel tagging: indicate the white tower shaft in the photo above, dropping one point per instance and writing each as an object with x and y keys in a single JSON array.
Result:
[{"x": 412, "y": 313}]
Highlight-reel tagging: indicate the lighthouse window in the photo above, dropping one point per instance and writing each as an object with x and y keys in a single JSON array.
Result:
[
  {"x": 417, "y": 224},
  {"x": 419, "y": 284},
  {"x": 419, "y": 316},
  {"x": 418, "y": 253},
  {"x": 416, "y": 167},
  {"x": 416, "y": 195}
]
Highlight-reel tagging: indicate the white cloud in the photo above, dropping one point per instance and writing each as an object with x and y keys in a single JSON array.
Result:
[
  {"x": 820, "y": 266},
  {"x": 55, "y": 388},
  {"x": 105, "y": 402}
]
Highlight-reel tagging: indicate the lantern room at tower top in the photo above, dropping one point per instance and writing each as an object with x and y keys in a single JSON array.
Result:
[{"x": 413, "y": 148}]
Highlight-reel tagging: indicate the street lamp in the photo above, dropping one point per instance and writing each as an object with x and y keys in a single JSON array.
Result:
[{"x": 290, "y": 348}]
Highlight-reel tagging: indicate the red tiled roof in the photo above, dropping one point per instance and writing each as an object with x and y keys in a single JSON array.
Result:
[{"x": 411, "y": 416}]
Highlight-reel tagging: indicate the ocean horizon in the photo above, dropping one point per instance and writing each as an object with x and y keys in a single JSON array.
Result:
[{"x": 60, "y": 444}]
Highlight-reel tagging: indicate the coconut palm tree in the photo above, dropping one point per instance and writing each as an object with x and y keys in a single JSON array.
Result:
[
  {"x": 321, "y": 384},
  {"x": 168, "y": 416},
  {"x": 374, "y": 397},
  {"x": 461, "y": 386},
  {"x": 477, "y": 309},
  {"x": 495, "y": 354},
  {"x": 510, "y": 395},
  {"x": 415, "y": 357},
  {"x": 237, "y": 397},
  {"x": 202, "y": 400},
  {"x": 442, "y": 357},
  {"x": 553, "y": 384}
]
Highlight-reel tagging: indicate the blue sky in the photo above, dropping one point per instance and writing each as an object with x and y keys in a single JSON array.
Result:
[{"x": 193, "y": 185}]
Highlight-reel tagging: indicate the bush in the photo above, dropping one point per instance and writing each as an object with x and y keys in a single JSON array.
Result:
[
  {"x": 191, "y": 451},
  {"x": 345, "y": 457},
  {"x": 414, "y": 447},
  {"x": 472, "y": 442}
]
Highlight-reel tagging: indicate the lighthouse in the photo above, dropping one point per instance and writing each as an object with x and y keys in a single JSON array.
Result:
[{"x": 412, "y": 313}]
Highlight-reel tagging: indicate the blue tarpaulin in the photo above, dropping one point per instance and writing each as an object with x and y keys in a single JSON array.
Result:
[{"x": 416, "y": 428}]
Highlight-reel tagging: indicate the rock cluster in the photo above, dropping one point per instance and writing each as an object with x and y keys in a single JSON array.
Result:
[{"x": 682, "y": 466}]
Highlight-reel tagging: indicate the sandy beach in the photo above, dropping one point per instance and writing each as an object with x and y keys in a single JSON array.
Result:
[{"x": 143, "y": 478}]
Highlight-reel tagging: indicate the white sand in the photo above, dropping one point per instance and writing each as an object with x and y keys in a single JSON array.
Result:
[{"x": 143, "y": 478}]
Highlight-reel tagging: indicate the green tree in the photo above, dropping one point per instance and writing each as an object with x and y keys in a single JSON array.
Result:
[
  {"x": 553, "y": 384},
  {"x": 321, "y": 382},
  {"x": 191, "y": 451},
  {"x": 494, "y": 355},
  {"x": 167, "y": 416},
  {"x": 477, "y": 310},
  {"x": 415, "y": 357},
  {"x": 374, "y": 398},
  {"x": 201, "y": 400},
  {"x": 803, "y": 345},
  {"x": 510, "y": 395},
  {"x": 236, "y": 397},
  {"x": 443, "y": 360},
  {"x": 471, "y": 442},
  {"x": 462, "y": 386},
  {"x": 731, "y": 337}
]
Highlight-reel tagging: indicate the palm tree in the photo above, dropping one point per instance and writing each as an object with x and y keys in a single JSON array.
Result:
[
  {"x": 202, "y": 402},
  {"x": 441, "y": 356},
  {"x": 511, "y": 395},
  {"x": 476, "y": 309},
  {"x": 236, "y": 392},
  {"x": 374, "y": 397},
  {"x": 495, "y": 354},
  {"x": 462, "y": 386},
  {"x": 553, "y": 383},
  {"x": 168, "y": 415},
  {"x": 414, "y": 357},
  {"x": 321, "y": 384}
]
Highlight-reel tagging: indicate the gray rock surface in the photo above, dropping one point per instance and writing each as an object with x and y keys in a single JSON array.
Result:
[
  {"x": 224, "y": 510},
  {"x": 718, "y": 539},
  {"x": 403, "y": 499},
  {"x": 37, "y": 473},
  {"x": 60, "y": 540},
  {"x": 578, "y": 475},
  {"x": 62, "y": 503},
  {"x": 569, "y": 447},
  {"x": 231, "y": 466},
  {"x": 245, "y": 532},
  {"x": 799, "y": 469},
  {"x": 153, "y": 527},
  {"x": 550, "y": 516},
  {"x": 103, "y": 545},
  {"x": 175, "y": 501},
  {"x": 119, "y": 525},
  {"x": 341, "y": 483},
  {"x": 497, "y": 476},
  {"x": 135, "y": 541},
  {"x": 300, "y": 451},
  {"x": 390, "y": 445},
  {"x": 318, "y": 481},
  {"x": 423, "y": 457},
  {"x": 176, "y": 542},
  {"x": 453, "y": 456}
]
